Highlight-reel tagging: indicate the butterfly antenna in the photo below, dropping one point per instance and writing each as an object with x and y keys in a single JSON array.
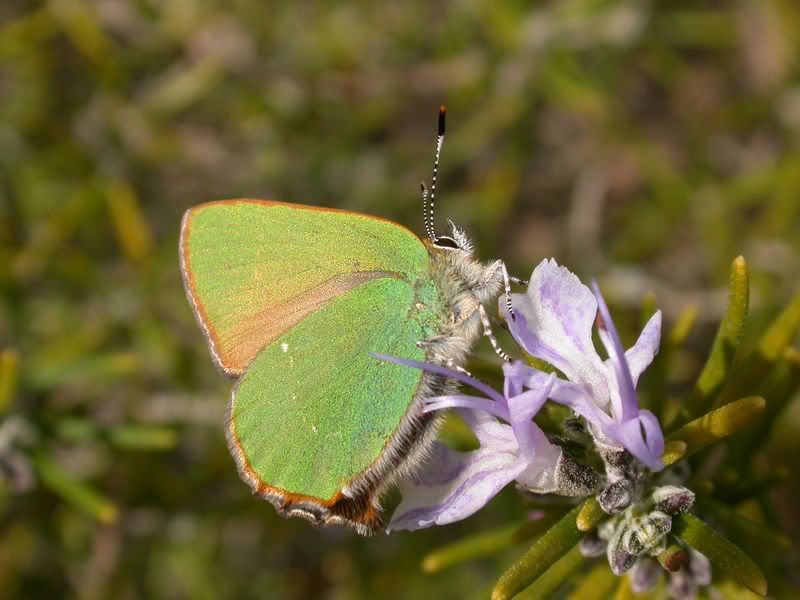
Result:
[
  {"x": 428, "y": 228},
  {"x": 428, "y": 211}
]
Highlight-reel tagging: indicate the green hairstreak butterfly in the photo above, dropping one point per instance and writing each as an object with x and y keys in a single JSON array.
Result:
[{"x": 293, "y": 300}]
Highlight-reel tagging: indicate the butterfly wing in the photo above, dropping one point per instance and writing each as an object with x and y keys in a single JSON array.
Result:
[
  {"x": 314, "y": 415},
  {"x": 253, "y": 269},
  {"x": 296, "y": 299}
]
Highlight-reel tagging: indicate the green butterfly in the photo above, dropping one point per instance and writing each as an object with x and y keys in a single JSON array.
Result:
[{"x": 293, "y": 300}]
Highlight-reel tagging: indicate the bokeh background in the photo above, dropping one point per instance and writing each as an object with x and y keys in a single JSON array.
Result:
[{"x": 644, "y": 143}]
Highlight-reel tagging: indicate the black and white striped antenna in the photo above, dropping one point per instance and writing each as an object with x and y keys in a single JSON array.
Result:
[{"x": 428, "y": 211}]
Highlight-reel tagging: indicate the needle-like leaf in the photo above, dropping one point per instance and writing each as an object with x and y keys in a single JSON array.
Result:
[
  {"x": 554, "y": 577},
  {"x": 778, "y": 392},
  {"x": 722, "y": 553},
  {"x": 9, "y": 368},
  {"x": 729, "y": 336},
  {"x": 469, "y": 548},
  {"x": 683, "y": 326},
  {"x": 74, "y": 491},
  {"x": 554, "y": 544},
  {"x": 674, "y": 450},
  {"x": 748, "y": 533},
  {"x": 765, "y": 356},
  {"x": 717, "y": 424},
  {"x": 597, "y": 584},
  {"x": 143, "y": 437}
]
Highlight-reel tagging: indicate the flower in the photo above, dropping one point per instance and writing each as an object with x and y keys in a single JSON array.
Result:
[
  {"x": 553, "y": 321},
  {"x": 454, "y": 485}
]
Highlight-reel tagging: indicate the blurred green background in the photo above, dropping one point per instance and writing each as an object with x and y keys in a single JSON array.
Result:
[{"x": 645, "y": 143}]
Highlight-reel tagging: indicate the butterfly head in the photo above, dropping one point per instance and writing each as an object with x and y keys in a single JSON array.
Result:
[{"x": 458, "y": 240}]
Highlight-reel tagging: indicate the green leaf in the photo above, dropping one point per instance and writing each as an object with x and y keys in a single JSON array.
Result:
[
  {"x": 539, "y": 364},
  {"x": 729, "y": 336},
  {"x": 143, "y": 437},
  {"x": 9, "y": 368},
  {"x": 656, "y": 377},
  {"x": 718, "y": 424},
  {"x": 469, "y": 548},
  {"x": 674, "y": 450},
  {"x": 554, "y": 577},
  {"x": 597, "y": 584},
  {"x": 134, "y": 234},
  {"x": 554, "y": 544},
  {"x": 124, "y": 436},
  {"x": 768, "y": 351},
  {"x": 683, "y": 326},
  {"x": 624, "y": 590},
  {"x": 723, "y": 554},
  {"x": 52, "y": 373},
  {"x": 749, "y": 534},
  {"x": 533, "y": 529},
  {"x": 778, "y": 391},
  {"x": 77, "y": 493},
  {"x": 76, "y": 429},
  {"x": 752, "y": 487}
]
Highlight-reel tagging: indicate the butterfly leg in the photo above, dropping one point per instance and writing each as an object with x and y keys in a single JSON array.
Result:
[
  {"x": 450, "y": 364},
  {"x": 507, "y": 289},
  {"x": 487, "y": 331},
  {"x": 495, "y": 276}
]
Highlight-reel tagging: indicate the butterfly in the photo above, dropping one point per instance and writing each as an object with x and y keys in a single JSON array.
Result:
[{"x": 294, "y": 300}]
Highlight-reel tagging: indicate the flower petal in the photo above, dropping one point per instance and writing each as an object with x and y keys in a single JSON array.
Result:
[
  {"x": 625, "y": 405},
  {"x": 642, "y": 437},
  {"x": 539, "y": 475},
  {"x": 522, "y": 408},
  {"x": 489, "y": 431},
  {"x": 465, "y": 401},
  {"x": 454, "y": 485},
  {"x": 453, "y": 374},
  {"x": 554, "y": 323},
  {"x": 572, "y": 395},
  {"x": 642, "y": 353}
]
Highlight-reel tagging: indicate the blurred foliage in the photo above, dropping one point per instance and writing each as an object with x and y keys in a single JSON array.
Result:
[{"x": 647, "y": 143}]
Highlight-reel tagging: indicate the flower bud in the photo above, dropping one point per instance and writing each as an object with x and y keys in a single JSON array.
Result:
[
  {"x": 644, "y": 575},
  {"x": 619, "y": 559},
  {"x": 644, "y": 534},
  {"x": 574, "y": 478},
  {"x": 616, "y": 496},
  {"x": 673, "y": 499}
]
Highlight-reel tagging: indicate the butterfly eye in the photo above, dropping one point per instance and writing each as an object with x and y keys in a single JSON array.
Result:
[{"x": 446, "y": 242}]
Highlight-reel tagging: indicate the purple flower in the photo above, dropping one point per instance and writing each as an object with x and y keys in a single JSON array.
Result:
[
  {"x": 454, "y": 485},
  {"x": 553, "y": 322}
]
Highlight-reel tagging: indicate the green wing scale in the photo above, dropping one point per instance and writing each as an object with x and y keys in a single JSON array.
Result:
[{"x": 292, "y": 300}]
